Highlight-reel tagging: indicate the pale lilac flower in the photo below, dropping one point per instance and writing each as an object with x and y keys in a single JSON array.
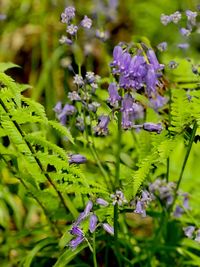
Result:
[
  {"x": 3, "y": 17},
  {"x": 93, "y": 106},
  {"x": 173, "y": 64},
  {"x": 178, "y": 212},
  {"x": 191, "y": 16},
  {"x": 68, "y": 14},
  {"x": 102, "y": 202},
  {"x": 185, "y": 32},
  {"x": 188, "y": 231},
  {"x": 175, "y": 17},
  {"x": 108, "y": 228},
  {"x": 102, "y": 126},
  {"x": 93, "y": 223},
  {"x": 139, "y": 209},
  {"x": 197, "y": 238},
  {"x": 74, "y": 96},
  {"x": 58, "y": 107},
  {"x": 114, "y": 97},
  {"x": 162, "y": 46},
  {"x": 118, "y": 198},
  {"x": 186, "y": 201},
  {"x": 78, "y": 79},
  {"x": 76, "y": 231},
  {"x": 153, "y": 60},
  {"x": 165, "y": 19},
  {"x": 88, "y": 207},
  {"x": 158, "y": 102},
  {"x": 183, "y": 46},
  {"x": 86, "y": 22},
  {"x": 73, "y": 244},
  {"x": 77, "y": 159},
  {"x": 72, "y": 29},
  {"x": 152, "y": 127},
  {"x": 90, "y": 76},
  {"x": 65, "y": 40}
]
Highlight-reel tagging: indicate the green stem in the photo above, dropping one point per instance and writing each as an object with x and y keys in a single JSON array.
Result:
[
  {"x": 94, "y": 250},
  {"x": 116, "y": 234},
  {"x": 184, "y": 162},
  {"x": 119, "y": 135}
]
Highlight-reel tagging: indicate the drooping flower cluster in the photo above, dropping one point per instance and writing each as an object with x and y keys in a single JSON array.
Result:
[
  {"x": 165, "y": 192},
  {"x": 140, "y": 73},
  {"x": 67, "y": 17},
  {"x": 88, "y": 212},
  {"x": 142, "y": 202}
]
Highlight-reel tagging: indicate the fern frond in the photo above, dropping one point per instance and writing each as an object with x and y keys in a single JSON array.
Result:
[{"x": 61, "y": 130}]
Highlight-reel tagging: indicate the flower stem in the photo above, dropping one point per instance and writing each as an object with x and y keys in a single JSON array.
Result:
[
  {"x": 94, "y": 250},
  {"x": 184, "y": 162}
]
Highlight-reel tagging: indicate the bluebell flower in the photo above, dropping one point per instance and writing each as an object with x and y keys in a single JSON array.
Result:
[
  {"x": 73, "y": 244},
  {"x": 93, "y": 223},
  {"x": 188, "y": 231},
  {"x": 65, "y": 40},
  {"x": 158, "y": 101},
  {"x": 78, "y": 79},
  {"x": 183, "y": 46},
  {"x": 77, "y": 159},
  {"x": 72, "y": 29},
  {"x": 152, "y": 127},
  {"x": 76, "y": 231},
  {"x": 68, "y": 14},
  {"x": 108, "y": 228},
  {"x": 165, "y": 19},
  {"x": 86, "y": 22},
  {"x": 176, "y": 17},
  {"x": 88, "y": 207},
  {"x": 185, "y": 32},
  {"x": 162, "y": 46},
  {"x": 114, "y": 97},
  {"x": 102, "y": 126},
  {"x": 118, "y": 198},
  {"x": 102, "y": 202},
  {"x": 191, "y": 16},
  {"x": 74, "y": 96},
  {"x": 154, "y": 61},
  {"x": 178, "y": 211},
  {"x": 140, "y": 209}
]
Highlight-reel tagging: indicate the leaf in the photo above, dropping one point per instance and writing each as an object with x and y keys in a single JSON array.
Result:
[
  {"x": 68, "y": 255},
  {"x": 7, "y": 65},
  {"x": 62, "y": 130},
  {"x": 40, "y": 245}
]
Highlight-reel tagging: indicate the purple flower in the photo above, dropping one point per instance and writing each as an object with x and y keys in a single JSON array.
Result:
[
  {"x": 72, "y": 29},
  {"x": 152, "y": 127},
  {"x": 151, "y": 81},
  {"x": 162, "y": 46},
  {"x": 74, "y": 96},
  {"x": 102, "y": 202},
  {"x": 113, "y": 95},
  {"x": 93, "y": 106},
  {"x": 68, "y": 14},
  {"x": 173, "y": 64},
  {"x": 58, "y": 107},
  {"x": 117, "y": 54},
  {"x": 65, "y": 40},
  {"x": 175, "y": 17},
  {"x": 102, "y": 126},
  {"x": 118, "y": 198},
  {"x": 86, "y": 22},
  {"x": 154, "y": 61},
  {"x": 197, "y": 238},
  {"x": 78, "y": 79},
  {"x": 183, "y": 46},
  {"x": 191, "y": 16},
  {"x": 158, "y": 102},
  {"x": 73, "y": 244},
  {"x": 139, "y": 209},
  {"x": 77, "y": 159},
  {"x": 3, "y": 17},
  {"x": 188, "y": 231},
  {"x": 88, "y": 207},
  {"x": 178, "y": 212},
  {"x": 186, "y": 202},
  {"x": 81, "y": 217},
  {"x": 90, "y": 76},
  {"x": 165, "y": 19},
  {"x": 93, "y": 223},
  {"x": 76, "y": 231},
  {"x": 108, "y": 228},
  {"x": 185, "y": 32},
  {"x": 68, "y": 110}
]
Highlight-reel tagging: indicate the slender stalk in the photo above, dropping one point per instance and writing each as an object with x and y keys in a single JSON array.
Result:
[
  {"x": 37, "y": 160},
  {"x": 184, "y": 162},
  {"x": 94, "y": 250},
  {"x": 119, "y": 135}
]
